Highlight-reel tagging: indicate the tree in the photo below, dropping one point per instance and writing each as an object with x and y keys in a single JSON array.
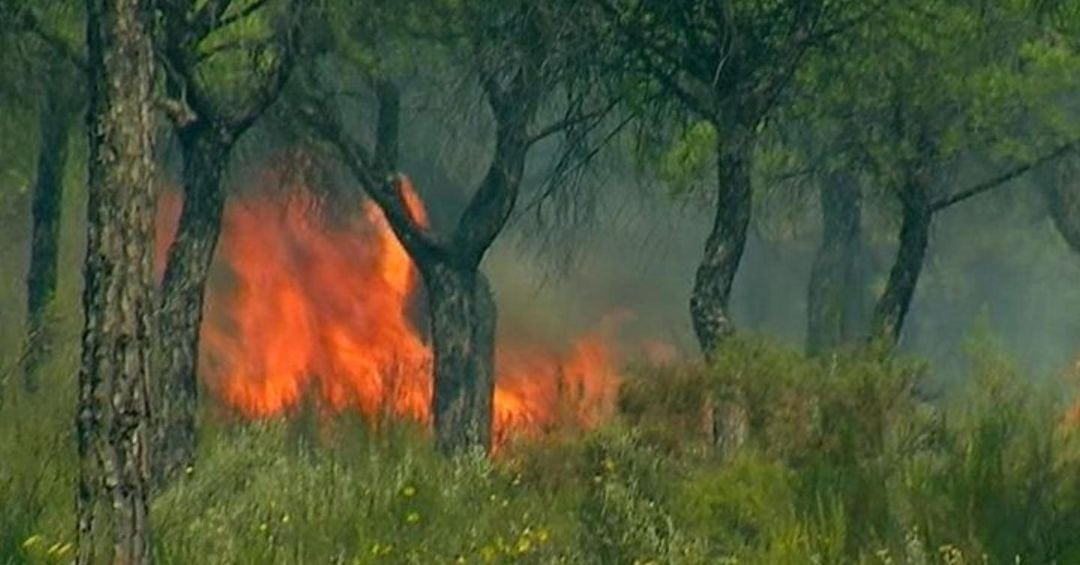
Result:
[
  {"x": 203, "y": 46},
  {"x": 725, "y": 64},
  {"x": 113, "y": 413},
  {"x": 60, "y": 99},
  {"x": 836, "y": 286},
  {"x": 519, "y": 54},
  {"x": 57, "y": 113},
  {"x": 916, "y": 97}
]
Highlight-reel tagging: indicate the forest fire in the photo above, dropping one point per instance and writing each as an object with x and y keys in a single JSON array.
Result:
[{"x": 313, "y": 307}]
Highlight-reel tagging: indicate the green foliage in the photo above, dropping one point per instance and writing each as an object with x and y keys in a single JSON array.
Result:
[
  {"x": 689, "y": 158},
  {"x": 624, "y": 512},
  {"x": 842, "y": 465},
  {"x": 256, "y": 496}
]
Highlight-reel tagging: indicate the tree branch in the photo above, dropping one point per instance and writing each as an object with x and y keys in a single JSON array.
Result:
[
  {"x": 381, "y": 185},
  {"x": 208, "y": 18},
  {"x": 494, "y": 200},
  {"x": 177, "y": 110},
  {"x": 242, "y": 13},
  {"x": 1002, "y": 178},
  {"x": 267, "y": 91},
  {"x": 570, "y": 120},
  {"x": 388, "y": 124}
]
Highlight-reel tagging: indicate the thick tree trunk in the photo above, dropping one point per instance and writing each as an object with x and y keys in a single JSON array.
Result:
[
  {"x": 834, "y": 282},
  {"x": 205, "y": 152},
  {"x": 462, "y": 314},
  {"x": 118, "y": 300},
  {"x": 724, "y": 246},
  {"x": 892, "y": 306},
  {"x": 56, "y": 119}
]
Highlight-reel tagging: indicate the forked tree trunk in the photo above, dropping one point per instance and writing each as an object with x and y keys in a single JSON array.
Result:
[
  {"x": 724, "y": 246},
  {"x": 56, "y": 118},
  {"x": 113, "y": 422},
  {"x": 892, "y": 306},
  {"x": 462, "y": 314},
  {"x": 834, "y": 282},
  {"x": 205, "y": 152}
]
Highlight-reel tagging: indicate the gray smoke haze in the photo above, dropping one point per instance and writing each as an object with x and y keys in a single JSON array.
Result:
[{"x": 996, "y": 257}]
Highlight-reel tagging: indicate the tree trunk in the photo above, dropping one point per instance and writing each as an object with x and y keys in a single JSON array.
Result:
[
  {"x": 56, "y": 119},
  {"x": 205, "y": 152},
  {"x": 462, "y": 314},
  {"x": 892, "y": 307},
  {"x": 113, "y": 419},
  {"x": 724, "y": 246},
  {"x": 834, "y": 282},
  {"x": 1063, "y": 201}
]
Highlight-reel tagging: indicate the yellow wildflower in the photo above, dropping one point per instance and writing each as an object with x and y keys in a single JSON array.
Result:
[{"x": 409, "y": 491}]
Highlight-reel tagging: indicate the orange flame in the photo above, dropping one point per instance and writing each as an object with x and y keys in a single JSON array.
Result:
[{"x": 315, "y": 308}]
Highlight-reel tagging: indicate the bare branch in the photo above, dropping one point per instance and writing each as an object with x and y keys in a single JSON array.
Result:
[
  {"x": 381, "y": 185},
  {"x": 388, "y": 124},
  {"x": 570, "y": 120},
  {"x": 1003, "y": 178}
]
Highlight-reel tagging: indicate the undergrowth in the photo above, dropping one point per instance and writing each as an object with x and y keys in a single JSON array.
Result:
[{"x": 843, "y": 463}]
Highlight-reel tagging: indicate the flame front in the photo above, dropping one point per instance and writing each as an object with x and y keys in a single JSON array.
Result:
[{"x": 317, "y": 309}]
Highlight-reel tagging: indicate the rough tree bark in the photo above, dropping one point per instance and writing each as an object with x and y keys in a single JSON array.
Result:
[
  {"x": 724, "y": 246},
  {"x": 113, "y": 412},
  {"x": 205, "y": 152},
  {"x": 462, "y": 310},
  {"x": 57, "y": 115},
  {"x": 917, "y": 214},
  {"x": 462, "y": 314},
  {"x": 833, "y": 290},
  {"x": 207, "y": 125}
]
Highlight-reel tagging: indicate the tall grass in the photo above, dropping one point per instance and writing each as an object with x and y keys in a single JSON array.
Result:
[{"x": 843, "y": 464}]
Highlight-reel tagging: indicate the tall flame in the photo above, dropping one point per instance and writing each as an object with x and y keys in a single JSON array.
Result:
[{"x": 313, "y": 307}]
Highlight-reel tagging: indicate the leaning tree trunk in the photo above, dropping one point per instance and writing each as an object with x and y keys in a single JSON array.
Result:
[
  {"x": 118, "y": 298},
  {"x": 205, "y": 153},
  {"x": 462, "y": 314},
  {"x": 724, "y": 246},
  {"x": 834, "y": 275},
  {"x": 892, "y": 307},
  {"x": 48, "y": 191}
]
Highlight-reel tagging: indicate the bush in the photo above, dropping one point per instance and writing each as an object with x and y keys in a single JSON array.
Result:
[{"x": 842, "y": 463}]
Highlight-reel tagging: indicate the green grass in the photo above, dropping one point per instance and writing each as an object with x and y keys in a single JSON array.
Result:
[{"x": 842, "y": 465}]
